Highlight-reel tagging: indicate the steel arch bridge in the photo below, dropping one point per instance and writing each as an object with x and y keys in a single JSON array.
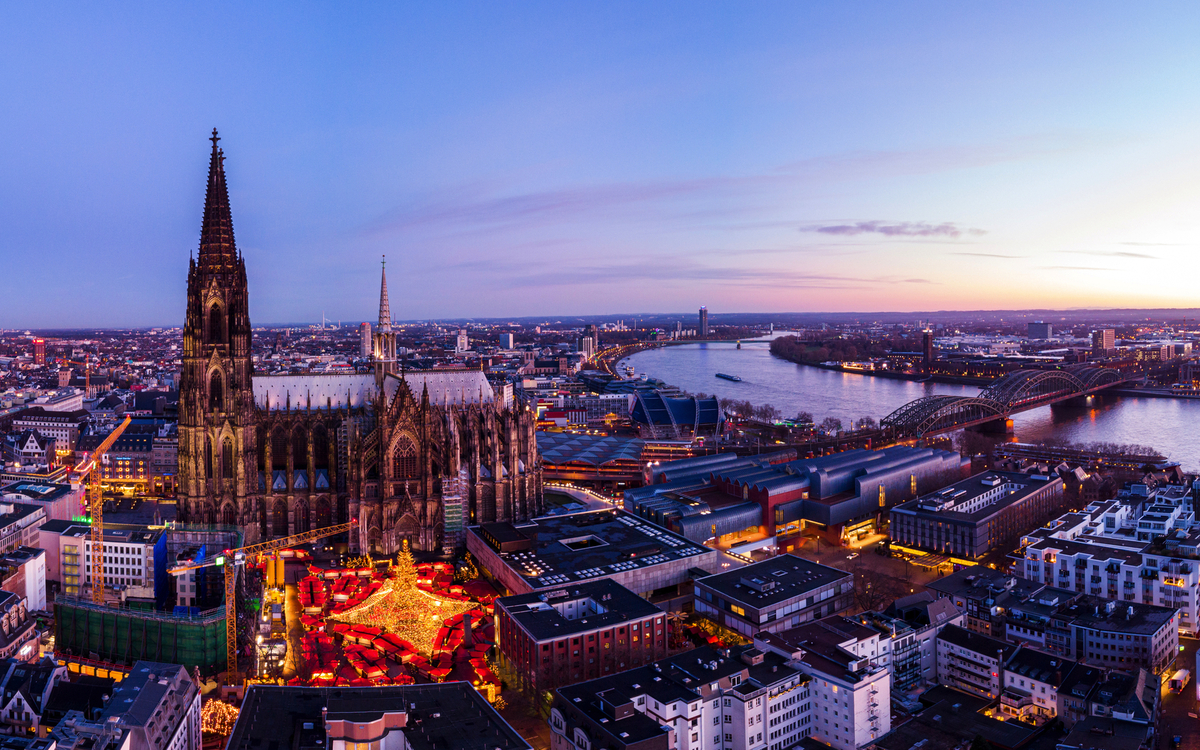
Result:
[{"x": 1015, "y": 392}]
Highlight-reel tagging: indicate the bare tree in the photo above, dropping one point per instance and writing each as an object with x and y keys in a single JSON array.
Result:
[
  {"x": 867, "y": 423},
  {"x": 831, "y": 425}
]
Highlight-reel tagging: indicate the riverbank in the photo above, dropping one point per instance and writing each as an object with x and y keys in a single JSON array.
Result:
[
  {"x": 890, "y": 374},
  {"x": 1154, "y": 393}
]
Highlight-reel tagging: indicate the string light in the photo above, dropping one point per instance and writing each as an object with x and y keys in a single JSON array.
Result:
[
  {"x": 400, "y": 607},
  {"x": 217, "y": 717}
]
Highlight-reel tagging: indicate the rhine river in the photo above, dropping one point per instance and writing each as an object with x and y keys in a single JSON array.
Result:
[{"x": 1170, "y": 426}]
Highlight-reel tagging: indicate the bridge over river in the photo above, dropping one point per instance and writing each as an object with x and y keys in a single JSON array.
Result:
[{"x": 1016, "y": 392}]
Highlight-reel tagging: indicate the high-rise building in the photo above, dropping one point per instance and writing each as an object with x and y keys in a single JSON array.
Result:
[
  {"x": 1104, "y": 340},
  {"x": 587, "y": 347},
  {"x": 39, "y": 351},
  {"x": 1040, "y": 330},
  {"x": 364, "y": 340},
  {"x": 703, "y": 322},
  {"x": 461, "y": 343},
  {"x": 507, "y": 341},
  {"x": 927, "y": 346}
]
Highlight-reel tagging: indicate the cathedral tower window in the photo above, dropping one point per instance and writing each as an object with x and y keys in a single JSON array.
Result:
[
  {"x": 216, "y": 325},
  {"x": 262, "y": 448},
  {"x": 227, "y": 458},
  {"x": 301, "y": 517},
  {"x": 279, "y": 449},
  {"x": 320, "y": 440},
  {"x": 300, "y": 450},
  {"x": 280, "y": 525},
  {"x": 208, "y": 458},
  {"x": 229, "y": 516},
  {"x": 216, "y": 393}
]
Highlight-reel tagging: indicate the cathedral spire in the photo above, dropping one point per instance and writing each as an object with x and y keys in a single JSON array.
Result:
[
  {"x": 385, "y": 309},
  {"x": 217, "y": 250}
]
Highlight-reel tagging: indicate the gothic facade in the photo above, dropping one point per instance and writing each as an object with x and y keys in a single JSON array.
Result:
[{"x": 409, "y": 455}]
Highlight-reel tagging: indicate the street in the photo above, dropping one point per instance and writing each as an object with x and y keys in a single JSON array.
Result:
[{"x": 1173, "y": 716}]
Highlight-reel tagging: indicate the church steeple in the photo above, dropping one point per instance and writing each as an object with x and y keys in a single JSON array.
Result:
[
  {"x": 384, "y": 338},
  {"x": 385, "y": 309},
  {"x": 218, "y": 253}
]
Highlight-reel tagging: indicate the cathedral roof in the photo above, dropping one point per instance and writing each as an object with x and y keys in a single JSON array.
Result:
[
  {"x": 338, "y": 390},
  {"x": 446, "y": 387}
]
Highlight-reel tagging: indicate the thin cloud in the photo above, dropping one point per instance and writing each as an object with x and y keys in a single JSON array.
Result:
[
  {"x": 897, "y": 229},
  {"x": 1155, "y": 244},
  {"x": 991, "y": 255},
  {"x": 1075, "y": 268},
  {"x": 920, "y": 281},
  {"x": 1112, "y": 254}
]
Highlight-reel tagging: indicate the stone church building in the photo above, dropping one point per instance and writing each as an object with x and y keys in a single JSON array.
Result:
[{"x": 411, "y": 455}]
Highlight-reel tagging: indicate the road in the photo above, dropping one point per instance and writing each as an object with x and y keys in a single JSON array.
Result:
[
  {"x": 586, "y": 497},
  {"x": 1173, "y": 712}
]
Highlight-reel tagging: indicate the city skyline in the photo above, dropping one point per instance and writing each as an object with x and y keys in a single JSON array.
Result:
[{"x": 565, "y": 160}]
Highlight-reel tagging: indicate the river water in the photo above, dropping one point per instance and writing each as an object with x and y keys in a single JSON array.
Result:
[{"x": 1170, "y": 426}]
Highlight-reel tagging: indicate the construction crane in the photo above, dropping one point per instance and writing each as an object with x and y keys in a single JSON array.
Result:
[
  {"x": 95, "y": 504},
  {"x": 231, "y": 559},
  {"x": 87, "y": 382}
]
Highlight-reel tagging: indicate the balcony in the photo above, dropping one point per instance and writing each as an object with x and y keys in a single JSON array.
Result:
[
  {"x": 1129, "y": 584},
  {"x": 1080, "y": 563},
  {"x": 1095, "y": 579},
  {"x": 1114, "y": 568},
  {"x": 1015, "y": 698},
  {"x": 1149, "y": 575}
]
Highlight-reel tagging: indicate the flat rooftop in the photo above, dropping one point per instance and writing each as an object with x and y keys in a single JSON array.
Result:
[
  {"x": 112, "y": 532},
  {"x": 36, "y": 492},
  {"x": 581, "y": 546},
  {"x": 440, "y": 716},
  {"x": 766, "y": 583},
  {"x": 611, "y": 603},
  {"x": 978, "y": 497}
]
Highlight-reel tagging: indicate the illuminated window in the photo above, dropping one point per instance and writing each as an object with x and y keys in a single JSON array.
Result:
[{"x": 881, "y": 496}]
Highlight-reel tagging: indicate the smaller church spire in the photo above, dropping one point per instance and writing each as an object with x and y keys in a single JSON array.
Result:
[{"x": 385, "y": 309}]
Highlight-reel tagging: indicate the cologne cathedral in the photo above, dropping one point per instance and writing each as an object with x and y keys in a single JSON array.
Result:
[{"x": 412, "y": 455}]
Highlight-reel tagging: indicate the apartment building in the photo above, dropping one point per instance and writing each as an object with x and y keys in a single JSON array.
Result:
[
  {"x": 851, "y": 692},
  {"x": 63, "y": 426},
  {"x": 972, "y": 662},
  {"x": 134, "y": 558},
  {"x": 156, "y": 707},
  {"x": 578, "y": 633},
  {"x": 1142, "y": 547},
  {"x": 908, "y": 637},
  {"x": 774, "y": 595},
  {"x": 745, "y": 698}
]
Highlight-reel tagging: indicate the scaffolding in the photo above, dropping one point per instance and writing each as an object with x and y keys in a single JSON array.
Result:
[{"x": 120, "y": 637}]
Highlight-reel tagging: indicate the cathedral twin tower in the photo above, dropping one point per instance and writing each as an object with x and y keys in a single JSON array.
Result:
[{"x": 410, "y": 455}]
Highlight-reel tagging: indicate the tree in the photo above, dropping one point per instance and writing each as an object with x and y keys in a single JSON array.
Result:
[
  {"x": 804, "y": 417},
  {"x": 873, "y": 590},
  {"x": 831, "y": 425},
  {"x": 867, "y": 423},
  {"x": 768, "y": 413}
]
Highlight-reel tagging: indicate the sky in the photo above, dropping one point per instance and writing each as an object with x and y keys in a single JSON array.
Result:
[{"x": 559, "y": 158}]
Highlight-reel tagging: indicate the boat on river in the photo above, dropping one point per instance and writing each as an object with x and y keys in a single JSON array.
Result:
[{"x": 734, "y": 378}]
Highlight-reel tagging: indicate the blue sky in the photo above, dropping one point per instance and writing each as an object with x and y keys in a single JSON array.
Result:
[{"x": 586, "y": 158}]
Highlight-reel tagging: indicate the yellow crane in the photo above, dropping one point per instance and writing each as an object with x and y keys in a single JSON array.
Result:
[
  {"x": 231, "y": 559},
  {"x": 95, "y": 504},
  {"x": 87, "y": 382}
]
